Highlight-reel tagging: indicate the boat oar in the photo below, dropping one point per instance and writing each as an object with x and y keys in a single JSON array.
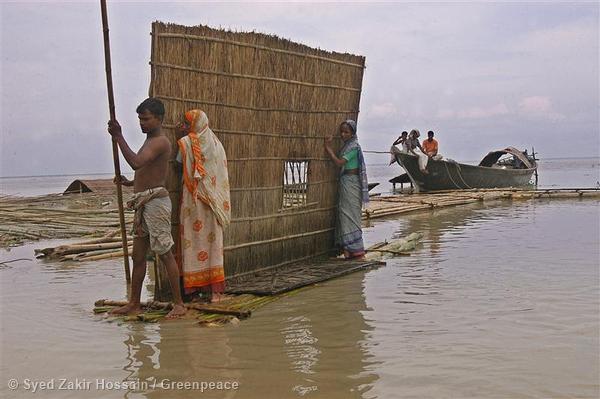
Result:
[{"x": 115, "y": 149}]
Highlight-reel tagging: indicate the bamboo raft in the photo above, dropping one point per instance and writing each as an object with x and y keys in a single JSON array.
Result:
[
  {"x": 55, "y": 216},
  {"x": 404, "y": 203},
  {"x": 248, "y": 292},
  {"x": 232, "y": 310},
  {"x": 276, "y": 281}
]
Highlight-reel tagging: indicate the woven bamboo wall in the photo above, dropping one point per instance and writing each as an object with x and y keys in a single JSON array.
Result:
[{"x": 268, "y": 100}]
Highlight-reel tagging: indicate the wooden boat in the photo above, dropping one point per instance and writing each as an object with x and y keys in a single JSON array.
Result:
[{"x": 498, "y": 169}]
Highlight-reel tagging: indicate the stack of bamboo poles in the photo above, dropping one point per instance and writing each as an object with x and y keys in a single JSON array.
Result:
[
  {"x": 399, "y": 204},
  {"x": 81, "y": 215},
  {"x": 57, "y": 216},
  {"x": 109, "y": 246},
  {"x": 385, "y": 206}
]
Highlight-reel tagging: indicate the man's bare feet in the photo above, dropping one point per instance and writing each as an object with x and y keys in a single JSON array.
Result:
[
  {"x": 130, "y": 309},
  {"x": 177, "y": 311}
]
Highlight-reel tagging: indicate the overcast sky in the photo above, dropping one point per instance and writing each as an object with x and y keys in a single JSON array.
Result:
[{"x": 482, "y": 75}]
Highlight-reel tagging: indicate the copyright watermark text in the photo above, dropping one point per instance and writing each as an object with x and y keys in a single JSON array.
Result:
[{"x": 102, "y": 384}]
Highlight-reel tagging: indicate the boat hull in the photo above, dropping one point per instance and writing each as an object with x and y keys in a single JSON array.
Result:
[{"x": 445, "y": 175}]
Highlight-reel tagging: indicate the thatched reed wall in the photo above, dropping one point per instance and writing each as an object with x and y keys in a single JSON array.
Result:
[{"x": 268, "y": 100}]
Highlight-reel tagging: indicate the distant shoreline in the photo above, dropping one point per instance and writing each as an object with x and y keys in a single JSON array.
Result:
[
  {"x": 64, "y": 175},
  {"x": 374, "y": 164}
]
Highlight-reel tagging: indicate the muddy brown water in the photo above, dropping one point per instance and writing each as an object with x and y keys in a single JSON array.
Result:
[{"x": 500, "y": 300}]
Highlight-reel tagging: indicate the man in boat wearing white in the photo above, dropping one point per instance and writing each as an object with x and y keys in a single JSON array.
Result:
[
  {"x": 394, "y": 150},
  {"x": 414, "y": 147},
  {"x": 152, "y": 220}
]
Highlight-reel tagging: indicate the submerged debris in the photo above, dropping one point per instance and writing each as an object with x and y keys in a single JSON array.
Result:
[{"x": 399, "y": 247}]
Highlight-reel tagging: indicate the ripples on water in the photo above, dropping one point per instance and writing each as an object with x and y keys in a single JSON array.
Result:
[{"x": 499, "y": 301}]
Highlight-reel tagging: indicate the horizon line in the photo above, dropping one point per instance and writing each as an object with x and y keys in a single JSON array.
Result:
[{"x": 112, "y": 173}]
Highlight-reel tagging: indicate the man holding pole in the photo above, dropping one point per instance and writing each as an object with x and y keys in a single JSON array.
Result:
[{"x": 152, "y": 220}]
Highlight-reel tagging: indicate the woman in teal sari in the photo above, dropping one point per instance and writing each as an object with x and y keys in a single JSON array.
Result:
[{"x": 353, "y": 191}]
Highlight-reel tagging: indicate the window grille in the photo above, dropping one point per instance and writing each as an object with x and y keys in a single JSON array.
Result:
[{"x": 295, "y": 183}]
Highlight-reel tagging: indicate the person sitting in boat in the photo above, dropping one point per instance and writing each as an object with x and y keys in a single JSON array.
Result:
[
  {"x": 402, "y": 140},
  {"x": 430, "y": 145},
  {"x": 394, "y": 150},
  {"x": 414, "y": 147}
]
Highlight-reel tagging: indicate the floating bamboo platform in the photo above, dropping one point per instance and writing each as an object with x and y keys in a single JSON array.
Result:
[
  {"x": 251, "y": 291},
  {"x": 382, "y": 206},
  {"x": 275, "y": 281},
  {"x": 231, "y": 310}
]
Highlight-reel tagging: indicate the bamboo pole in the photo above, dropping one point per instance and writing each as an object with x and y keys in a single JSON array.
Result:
[
  {"x": 288, "y": 237},
  {"x": 115, "y": 149},
  {"x": 75, "y": 249},
  {"x": 116, "y": 254},
  {"x": 250, "y": 108},
  {"x": 283, "y": 135},
  {"x": 252, "y": 77},
  {"x": 259, "y": 47}
]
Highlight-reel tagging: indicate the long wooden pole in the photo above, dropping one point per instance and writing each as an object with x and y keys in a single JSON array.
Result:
[{"x": 115, "y": 149}]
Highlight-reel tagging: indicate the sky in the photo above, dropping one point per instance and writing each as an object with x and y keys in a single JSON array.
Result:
[{"x": 482, "y": 75}]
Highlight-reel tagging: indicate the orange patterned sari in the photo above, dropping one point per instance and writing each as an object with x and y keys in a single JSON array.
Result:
[{"x": 204, "y": 208}]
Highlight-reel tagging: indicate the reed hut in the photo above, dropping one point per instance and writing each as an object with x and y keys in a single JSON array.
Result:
[
  {"x": 94, "y": 186},
  {"x": 271, "y": 102}
]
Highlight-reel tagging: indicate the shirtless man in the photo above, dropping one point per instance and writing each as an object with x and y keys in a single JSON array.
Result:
[{"x": 152, "y": 220}]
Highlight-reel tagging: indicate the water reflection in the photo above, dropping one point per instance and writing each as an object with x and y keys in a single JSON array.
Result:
[{"x": 305, "y": 345}]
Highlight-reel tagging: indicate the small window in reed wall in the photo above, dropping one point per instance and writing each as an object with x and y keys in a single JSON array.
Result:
[{"x": 295, "y": 183}]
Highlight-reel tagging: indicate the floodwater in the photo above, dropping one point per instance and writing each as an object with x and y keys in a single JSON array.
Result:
[{"x": 501, "y": 300}]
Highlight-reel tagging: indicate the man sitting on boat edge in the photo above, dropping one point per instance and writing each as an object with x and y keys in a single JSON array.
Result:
[
  {"x": 430, "y": 145},
  {"x": 400, "y": 140},
  {"x": 415, "y": 148}
]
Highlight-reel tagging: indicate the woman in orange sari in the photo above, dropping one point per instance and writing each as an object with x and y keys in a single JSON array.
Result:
[{"x": 204, "y": 209}]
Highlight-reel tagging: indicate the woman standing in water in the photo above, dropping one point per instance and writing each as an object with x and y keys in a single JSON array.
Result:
[
  {"x": 353, "y": 191},
  {"x": 205, "y": 209}
]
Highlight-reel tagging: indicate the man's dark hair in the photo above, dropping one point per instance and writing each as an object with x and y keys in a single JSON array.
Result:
[
  {"x": 403, "y": 133},
  {"x": 152, "y": 105},
  {"x": 430, "y": 132}
]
